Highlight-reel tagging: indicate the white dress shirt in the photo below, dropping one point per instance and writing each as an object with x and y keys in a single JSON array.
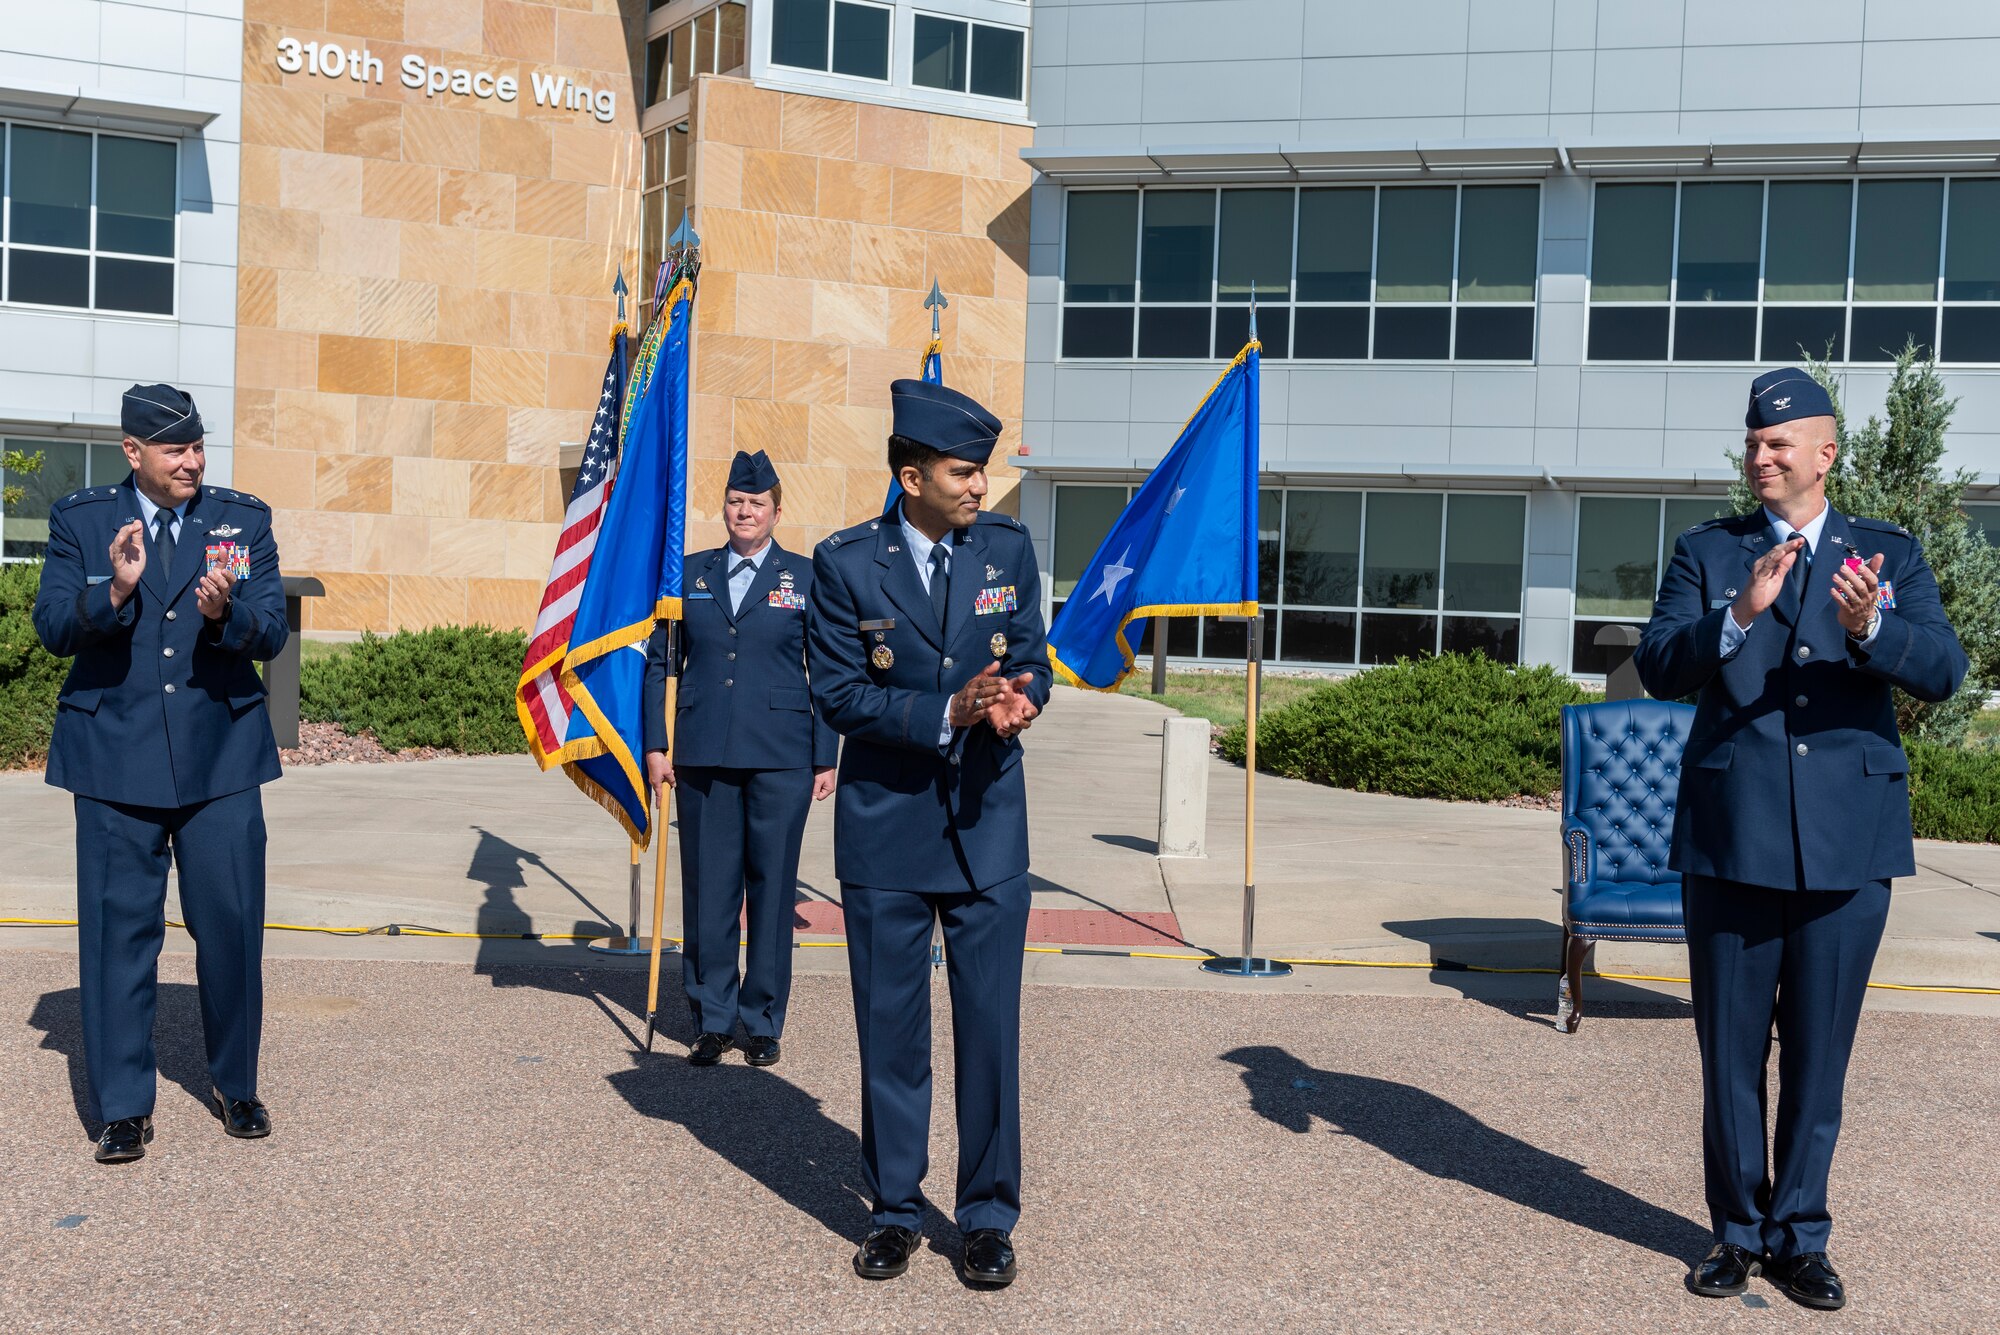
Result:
[
  {"x": 740, "y": 582},
  {"x": 149, "y": 513}
]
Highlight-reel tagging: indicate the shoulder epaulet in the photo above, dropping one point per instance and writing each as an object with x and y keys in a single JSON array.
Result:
[
  {"x": 1859, "y": 521},
  {"x": 233, "y": 497},
  {"x": 866, "y": 528},
  {"x": 1005, "y": 521},
  {"x": 1702, "y": 527},
  {"x": 87, "y": 494}
]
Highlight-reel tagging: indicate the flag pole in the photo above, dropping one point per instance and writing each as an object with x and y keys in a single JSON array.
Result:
[
  {"x": 660, "y": 861},
  {"x": 684, "y": 251},
  {"x": 1249, "y": 964}
]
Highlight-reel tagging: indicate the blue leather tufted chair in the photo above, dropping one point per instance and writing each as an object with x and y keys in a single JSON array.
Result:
[{"x": 1621, "y": 768}]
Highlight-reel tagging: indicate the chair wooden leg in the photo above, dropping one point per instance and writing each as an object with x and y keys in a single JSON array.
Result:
[{"x": 1574, "y": 949}]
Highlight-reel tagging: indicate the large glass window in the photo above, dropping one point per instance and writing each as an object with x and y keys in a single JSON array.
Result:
[
  {"x": 67, "y": 466},
  {"x": 709, "y": 43},
  {"x": 90, "y": 220},
  {"x": 844, "y": 37},
  {"x": 960, "y": 57},
  {"x": 1418, "y": 273},
  {"x": 1623, "y": 544},
  {"x": 1346, "y": 577},
  {"x": 662, "y": 204},
  {"x": 1748, "y": 271}
]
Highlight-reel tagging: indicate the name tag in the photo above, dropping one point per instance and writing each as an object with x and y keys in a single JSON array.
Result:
[
  {"x": 690, "y": 597},
  {"x": 789, "y": 599},
  {"x": 1714, "y": 603},
  {"x": 989, "y": 601},
  {"x": 95, "y": 579},
  {"x": 886, "y": 624}
]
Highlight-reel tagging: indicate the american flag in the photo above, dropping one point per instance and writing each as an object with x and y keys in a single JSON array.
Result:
[{"x": 543, "y": 704}]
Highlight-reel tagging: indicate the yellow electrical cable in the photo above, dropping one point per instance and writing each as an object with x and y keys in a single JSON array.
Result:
[{"x": 1434, "y": 965}]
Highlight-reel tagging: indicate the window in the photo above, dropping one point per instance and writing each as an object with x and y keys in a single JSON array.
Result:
[
  {"x": 1770, "y": 271},
  {"x": 1986, "y": 521},
  {"x": 1346, "y": 577},
  {"x": 661, "y": 207},
  {"x": 967, "y": 57},
  {"x": 1623, "y": 544},
  {"x": 1393, "y": 273},
  {"x": 67, "y": 466},
  {"x": 842, "y": 37},
  {"x": 708, "y": 43},
  {"x": 91, "y": 220}
]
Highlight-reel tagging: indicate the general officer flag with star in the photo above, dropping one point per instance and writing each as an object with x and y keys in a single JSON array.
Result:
[
  {"x": 1185, "y": 546},
  {"x": 635, "y": 580}
]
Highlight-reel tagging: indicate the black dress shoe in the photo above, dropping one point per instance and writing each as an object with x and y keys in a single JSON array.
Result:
[
  {"x": 1725, "y": 1271},
  {"x": 244, "y": 1119},
  {"x": 708, "y": 1049},
  {"x": 124, "y": 1140},
  {"x": 885, "y": 1253},
  {"x": 1809, "y": 1280},
  {"x": 760, "y": 1050},
  {"x": 988, "y": 1258}
]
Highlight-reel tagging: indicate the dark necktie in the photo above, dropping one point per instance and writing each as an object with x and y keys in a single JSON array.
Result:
[
  {"x": 940, "y": 577},
  {"x": 1801, "y": 568},
  {"x": 163, "y": 543},
  {"x": 736, "y": 600}
]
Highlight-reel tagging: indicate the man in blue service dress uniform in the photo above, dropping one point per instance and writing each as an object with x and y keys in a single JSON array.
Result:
[
  {"x": 749, "y": 757},
  {"x": 167, "y": 594},
  {"x": 1792, "y": 623},
  {"x": 928, "y": 654}
]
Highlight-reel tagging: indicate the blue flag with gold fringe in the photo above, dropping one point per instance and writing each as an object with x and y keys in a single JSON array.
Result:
[
  {"x": 1186, "y": 545},
  {"x": 931, "y": 369},
  {"x": 634, "y": 580}
]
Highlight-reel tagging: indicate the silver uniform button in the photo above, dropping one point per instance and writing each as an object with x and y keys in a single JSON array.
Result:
[
  {"x": 170, "y": 688},
  {"x": 954, "y": 757},
  {"x": 171, "y": 614},
  {"x": 729, "y": 681},
  {"x": 168, "y": 651},
  {"x": 1805, "y": 651},
  {"x": 1800, "y": 702},
  {"x": 1803, "y": 748},
  {"x": 947, "y": 660},
  {"x": 732, "y": 655},
  {"x": 732, "y": 630}
]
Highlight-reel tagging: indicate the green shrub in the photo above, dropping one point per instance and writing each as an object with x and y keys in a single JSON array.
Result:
[
  {"x": 1459, "y": 726},
  {"x": 1955, "y": 792},
  {"x": 30, "y": 676},
  {"x": 451, "y": 687}
]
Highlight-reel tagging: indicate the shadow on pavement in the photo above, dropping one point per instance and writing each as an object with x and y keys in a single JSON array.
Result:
[
  {"x": 1509, "y": 942},
  {"x": 177, "y": 1041},
  {"x": 1443, "y": 1140},
  {"x": 767, "y": 1127},
  {"x": 1150, "y": 847}
]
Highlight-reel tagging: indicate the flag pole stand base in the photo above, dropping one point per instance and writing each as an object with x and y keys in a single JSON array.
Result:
[
  {"x": 1251, "y": 967},
  {"x": 624, "y": 945}
]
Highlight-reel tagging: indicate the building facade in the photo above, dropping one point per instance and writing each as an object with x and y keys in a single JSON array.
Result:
[{"x": 1515, "y": 262}]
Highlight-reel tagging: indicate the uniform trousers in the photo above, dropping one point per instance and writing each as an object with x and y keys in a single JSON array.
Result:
[
  {"x": 740, "y": 831},
  {"x": 889, "y": 959},
  {"x": 122, "y": 857},
  {"x": 1800, "y": 958}
]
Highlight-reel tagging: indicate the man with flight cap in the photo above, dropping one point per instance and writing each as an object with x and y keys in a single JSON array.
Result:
[
  {"x": 1792, "y": 624},
  {"x": 928, "y": 654},
  {"x": 166, "y": 593},
  {"x": 749, "y": 757}
]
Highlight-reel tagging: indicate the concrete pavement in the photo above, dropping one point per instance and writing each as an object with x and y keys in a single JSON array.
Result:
[{"x": 490, "y": 845}]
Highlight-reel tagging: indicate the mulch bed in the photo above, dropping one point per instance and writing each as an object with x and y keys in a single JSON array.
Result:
[{"x": 327, "y": 744}]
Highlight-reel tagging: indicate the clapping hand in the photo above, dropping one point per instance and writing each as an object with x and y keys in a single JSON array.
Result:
[
  {"x": 1767, "y": 581},
  {"x": 1854, "y": 588},
  {"x": 212, "y": 594},
  {"x": 1001, "y": 702},
  {"x": 128, "y": 561},
  {"x": 1012, "y": 711}
]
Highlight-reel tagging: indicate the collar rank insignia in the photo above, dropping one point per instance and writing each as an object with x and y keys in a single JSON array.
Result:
[
  {"x": 225, "y": 531},
  {"x": 989, "y": 601},
  {"x": 998, "y": 644}
]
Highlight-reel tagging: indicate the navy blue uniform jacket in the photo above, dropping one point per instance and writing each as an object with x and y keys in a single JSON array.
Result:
[
  {"x": 908, "y": 809},
  {"x": 160, "y": 709},
  {"x": 743, "y": 701},
  {"x": 1794, "y": 776}
]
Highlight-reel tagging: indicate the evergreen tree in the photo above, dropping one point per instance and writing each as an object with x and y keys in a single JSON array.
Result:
[{"x": 1894, "y": 470}]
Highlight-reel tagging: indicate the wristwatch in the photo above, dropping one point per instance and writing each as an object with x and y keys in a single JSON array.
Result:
[{"x": 1874, "y": 624}]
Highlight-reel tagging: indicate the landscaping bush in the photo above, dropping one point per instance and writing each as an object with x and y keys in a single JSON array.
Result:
[
  {"x": 1460, "y": 726},
  {"x": 1955, "y": 792},
  {"x": 450, "y": 687},
  {"x": 30, "y": 676}
]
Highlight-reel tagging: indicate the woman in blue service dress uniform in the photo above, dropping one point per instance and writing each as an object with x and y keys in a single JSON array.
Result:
[{"x": 749, "y": 758}]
